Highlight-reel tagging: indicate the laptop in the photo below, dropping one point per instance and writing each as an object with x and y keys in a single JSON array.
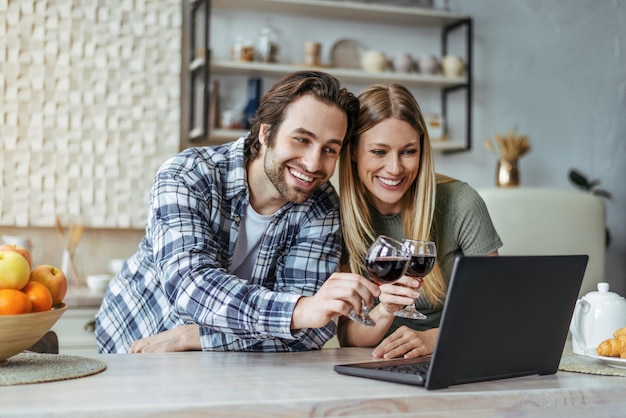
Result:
[{"x": 504, "y": 316}]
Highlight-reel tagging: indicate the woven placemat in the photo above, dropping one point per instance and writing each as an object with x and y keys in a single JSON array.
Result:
[
  {"x": 571, "y": 362},
  {"x": 25, "y": 368}
]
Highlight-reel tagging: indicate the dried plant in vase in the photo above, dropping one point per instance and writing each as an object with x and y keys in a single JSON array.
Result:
[{"x": 510, "y": 148}]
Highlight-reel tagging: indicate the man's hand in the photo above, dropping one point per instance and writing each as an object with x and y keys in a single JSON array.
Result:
[
  {"x": 183, "y": 338},
  {"x": 340, "y": 293},
  {"x": 408, "y": 343}
]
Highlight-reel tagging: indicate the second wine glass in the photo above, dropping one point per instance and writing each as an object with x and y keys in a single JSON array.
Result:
[
  {"x": 386, "y": 261},
  {"x": 423, "y": 257}
]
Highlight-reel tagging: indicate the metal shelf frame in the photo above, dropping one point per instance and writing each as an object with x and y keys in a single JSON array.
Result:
[{"x": 198, "y": 64}]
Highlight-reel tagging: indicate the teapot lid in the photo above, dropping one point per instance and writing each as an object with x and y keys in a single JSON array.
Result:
[{"x": 603, "y": 293}]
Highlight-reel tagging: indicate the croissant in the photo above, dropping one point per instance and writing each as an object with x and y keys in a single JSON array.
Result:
[
  {"x": 611, "y": 348},
  {"x": 620, "y": 334}
]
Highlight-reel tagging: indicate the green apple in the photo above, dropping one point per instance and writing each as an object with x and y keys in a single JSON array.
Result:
[
  {"x": 14, "y": 270},
  {"x": 21, "y": 250}
]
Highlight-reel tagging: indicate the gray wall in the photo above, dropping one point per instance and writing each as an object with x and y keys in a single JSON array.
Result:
[{"x": 556, "y": 69}]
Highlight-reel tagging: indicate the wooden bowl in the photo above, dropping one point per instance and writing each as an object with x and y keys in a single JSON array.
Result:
[{"x": 18, "y": 332}]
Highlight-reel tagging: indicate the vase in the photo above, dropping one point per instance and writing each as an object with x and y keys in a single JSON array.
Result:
[{"x": 507, "y": 173}]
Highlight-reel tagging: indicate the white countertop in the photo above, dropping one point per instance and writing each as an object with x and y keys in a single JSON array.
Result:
[{"x": 297, "y": 384}]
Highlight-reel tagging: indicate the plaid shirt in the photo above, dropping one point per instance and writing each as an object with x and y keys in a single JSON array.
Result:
[{"x": 180, "y": 274}]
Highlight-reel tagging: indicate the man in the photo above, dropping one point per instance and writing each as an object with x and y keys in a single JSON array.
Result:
[{"x": 242, "y": 240}]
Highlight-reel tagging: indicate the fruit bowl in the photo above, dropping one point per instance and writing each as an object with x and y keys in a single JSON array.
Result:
[{"x": 18, "y": 332}]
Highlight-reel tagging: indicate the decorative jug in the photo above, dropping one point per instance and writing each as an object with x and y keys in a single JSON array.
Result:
[{"x": 597, "y": 316}]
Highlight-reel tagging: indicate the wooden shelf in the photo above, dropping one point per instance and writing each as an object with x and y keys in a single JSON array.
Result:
[
  {"x": 219, "y": 136},
  {"x": 343, "y": 74}
]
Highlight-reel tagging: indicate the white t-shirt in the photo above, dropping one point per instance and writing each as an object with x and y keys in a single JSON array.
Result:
[{"x": 248, "y": 242}]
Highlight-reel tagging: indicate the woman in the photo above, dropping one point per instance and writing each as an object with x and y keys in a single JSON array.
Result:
[{"x": 388, "y": 186}]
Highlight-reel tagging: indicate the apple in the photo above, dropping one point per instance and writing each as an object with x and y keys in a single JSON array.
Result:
[
  {"x": 53, "y": 278},
  {"x": 14, "y": 270},
  {"x": 21, "y": 250}
]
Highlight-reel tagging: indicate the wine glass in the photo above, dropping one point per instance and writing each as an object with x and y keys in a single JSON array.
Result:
[
  {"x": 386, "y": 261},
  {"x": 423, "y": 256}
]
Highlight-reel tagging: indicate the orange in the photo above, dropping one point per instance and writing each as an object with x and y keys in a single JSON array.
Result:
[
  {"x": 13, "y": 302},
  {"x": 39, "y": 295}
]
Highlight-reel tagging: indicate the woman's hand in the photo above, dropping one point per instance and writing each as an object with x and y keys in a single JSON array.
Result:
[
  {"x": 183, "y": 338},
  {"x": 395, "y": 296},
  {"x": 408, "y": 343}
]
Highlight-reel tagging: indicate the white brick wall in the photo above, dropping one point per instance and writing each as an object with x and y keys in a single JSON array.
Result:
[{"x": 89, "y": 108}]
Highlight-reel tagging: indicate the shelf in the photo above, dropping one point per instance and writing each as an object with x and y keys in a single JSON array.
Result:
[
  {"x": 334, "y": 12},
  {"x": 343, "y": 74},
  {"x": 218, "y": 136},
  {"x": 373, "y": 12}
]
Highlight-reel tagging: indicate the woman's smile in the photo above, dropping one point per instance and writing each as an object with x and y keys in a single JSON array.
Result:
[
  {"x": 388, "y": 182},
  {"x": 388, "y": 158}
]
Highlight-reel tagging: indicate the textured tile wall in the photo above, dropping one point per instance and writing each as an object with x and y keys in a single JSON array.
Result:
[{"x": 89, "y": 108}]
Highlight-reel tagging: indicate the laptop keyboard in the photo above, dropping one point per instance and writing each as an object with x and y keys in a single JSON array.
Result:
[{"x": 415, "y": 368}]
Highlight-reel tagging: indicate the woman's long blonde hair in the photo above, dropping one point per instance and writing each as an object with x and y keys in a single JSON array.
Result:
[{"x": 378, "y": 103}]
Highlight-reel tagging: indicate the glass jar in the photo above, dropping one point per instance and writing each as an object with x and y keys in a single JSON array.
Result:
[
  {"x": 242, "y": 50},
  {"x": 268, "y": 43}
]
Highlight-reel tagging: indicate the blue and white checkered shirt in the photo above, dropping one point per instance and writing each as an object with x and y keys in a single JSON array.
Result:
[{"x": 180, "y": 274}]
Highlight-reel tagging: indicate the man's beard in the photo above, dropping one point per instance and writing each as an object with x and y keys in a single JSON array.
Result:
[{"x": 275, "y": 171}]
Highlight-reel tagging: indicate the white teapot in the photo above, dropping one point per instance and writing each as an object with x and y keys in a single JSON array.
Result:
[{"x": 597, "y": 316}]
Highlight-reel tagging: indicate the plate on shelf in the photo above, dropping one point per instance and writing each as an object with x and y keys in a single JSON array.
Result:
[
  {"x": 616, "y": 362},
  {"x": 346, "y": 53}
]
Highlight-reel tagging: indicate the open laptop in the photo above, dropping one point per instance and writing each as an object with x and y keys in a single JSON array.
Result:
[{"x": 505, "y": 316}]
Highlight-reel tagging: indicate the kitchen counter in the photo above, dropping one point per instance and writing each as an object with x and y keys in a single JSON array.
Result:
[
  {"x": 82, "y": 297},
  {"x": 297, "y": 384}
]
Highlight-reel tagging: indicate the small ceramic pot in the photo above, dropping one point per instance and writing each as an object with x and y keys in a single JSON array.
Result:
[
  {"x": 402, "y": 63},
  {"x": 312, "y": 53},
  {"x": 373, "y": 61},
  {"x": 428, "y": 64},
  {"x": 453, "y": 66}
]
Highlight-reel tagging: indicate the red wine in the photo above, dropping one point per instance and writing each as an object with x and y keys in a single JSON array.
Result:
[
  {"x": 386, "y": 269},
  {"x": 420, "y": 265}
]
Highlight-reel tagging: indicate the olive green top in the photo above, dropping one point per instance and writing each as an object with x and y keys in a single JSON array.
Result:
[{"x": 464, "y": 228}]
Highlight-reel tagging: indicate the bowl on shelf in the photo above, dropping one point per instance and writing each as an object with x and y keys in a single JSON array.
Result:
[
  {"x": 115, "y": 265},
  {"x": 19, "y": 332},
  {"x": 97, "y": 283}
]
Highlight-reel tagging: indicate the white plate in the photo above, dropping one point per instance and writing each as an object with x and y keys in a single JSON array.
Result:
[{"x": 616, "y": 362}]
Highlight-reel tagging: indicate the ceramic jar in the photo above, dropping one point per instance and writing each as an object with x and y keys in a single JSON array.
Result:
[
  {"x": 402, "y": 63},
  {"x": 452, "y": 66},
  {"x": 312, "y": 53},
  {"x": 428, "y": 64},
  {"x": 268, "y": 44},
  {"x": 373, "y": 61}
]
